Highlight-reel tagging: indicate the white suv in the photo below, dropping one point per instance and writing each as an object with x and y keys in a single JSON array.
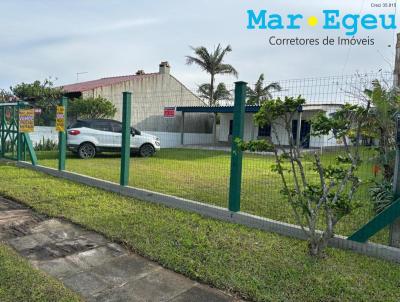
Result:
[{"x": 89, "y": 137}]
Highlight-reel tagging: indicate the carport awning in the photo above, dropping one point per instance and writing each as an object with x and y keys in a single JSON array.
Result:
[{"x": 216, "y": 109}]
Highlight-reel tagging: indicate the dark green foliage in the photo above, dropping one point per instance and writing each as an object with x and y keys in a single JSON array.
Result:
[
  {"x": 331, "y": 197},
  {"x": 255, "y": 146},
  {"x": 221, "y": 93},
  {"x": 46, "y": 145},
  {"x": 41, "y": 95},
  {"x": 381, "y": 195},
  {"x": 341, "y": 123},
  {"x": 273, "y": 109},
  {"x": 261, "y": 93},
  {"x": 385, "y": 105},
  {"x": 91, "y": 108},
  {"x": 212, "y": 62}
]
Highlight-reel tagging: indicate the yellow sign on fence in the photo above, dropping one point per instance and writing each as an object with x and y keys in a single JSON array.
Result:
[
  {"x": 26, "y": 120},
  {"x": 60, "y": 119}
]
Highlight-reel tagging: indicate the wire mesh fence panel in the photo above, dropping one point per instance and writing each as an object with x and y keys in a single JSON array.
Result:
[
  {"x": 262, "y": 186},
  {"x": 191, "y": 142},
  {"x": 44, "y": 138},
  {"x": 94, "y": 140},
  {"x": 190, "y": 163}
]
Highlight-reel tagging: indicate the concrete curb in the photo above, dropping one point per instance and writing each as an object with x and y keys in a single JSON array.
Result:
[{"x": 265, "y": 224}]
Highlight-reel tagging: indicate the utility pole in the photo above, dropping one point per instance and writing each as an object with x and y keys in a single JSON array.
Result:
[{"x": 394, "y": 231}]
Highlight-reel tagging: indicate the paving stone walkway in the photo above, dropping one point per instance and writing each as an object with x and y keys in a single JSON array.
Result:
[{"x": 91, "y": 265}]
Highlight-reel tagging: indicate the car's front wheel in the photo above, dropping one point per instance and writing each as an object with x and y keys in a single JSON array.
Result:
[
  {"x": 86, "y": 150},
  {"x": 146, "y": 150}
]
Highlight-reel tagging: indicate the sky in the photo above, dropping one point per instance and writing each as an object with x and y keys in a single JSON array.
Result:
[{"x": 101, "y": 38}]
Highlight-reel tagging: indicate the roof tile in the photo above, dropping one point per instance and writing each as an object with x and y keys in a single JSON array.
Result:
[{"x": 89, "y": 85}]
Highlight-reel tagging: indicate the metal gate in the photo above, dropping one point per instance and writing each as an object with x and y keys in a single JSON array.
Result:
[{"x": 14, "y": 145}]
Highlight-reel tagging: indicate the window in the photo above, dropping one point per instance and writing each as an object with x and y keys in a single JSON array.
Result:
[
  {"x": 264, "y": 131},
  {"x": 117, "y": 127},
  {"x": 79, "y": 124},
  {"x": 101, "y": 125},
  {"x": 230, "y": 127}
]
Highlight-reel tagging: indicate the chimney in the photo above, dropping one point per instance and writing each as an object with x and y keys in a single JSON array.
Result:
[
  {"x": 140, "y": 72},
  {"x": 164, "y": 68}
]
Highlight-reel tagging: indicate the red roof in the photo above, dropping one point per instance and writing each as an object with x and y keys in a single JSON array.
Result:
[{"x": 89, "y": 85}]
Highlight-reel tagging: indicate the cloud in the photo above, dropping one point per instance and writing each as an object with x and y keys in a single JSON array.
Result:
[
  {"x": 117, "y": 37},
  {"x": 75, "y": 35}
]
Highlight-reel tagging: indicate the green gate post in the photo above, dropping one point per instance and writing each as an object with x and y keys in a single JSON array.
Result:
[
  {"x": 3, "y": 131},
  {"x": 62, "y": 138},
  {"x": 19, "y": 135},
  {"x": 126, "y": 138},
  {"x": 236, "y": 152}
]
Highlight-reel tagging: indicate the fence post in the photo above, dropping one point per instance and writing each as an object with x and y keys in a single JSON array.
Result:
[
  {"x": 3, "y": 130},
  {"x": 394, "y": 230},
  {"x": 62, "y": 137},
  {"x": 19, "y": 136},
  {"x": 236, "y": 153},
  {"x": 126, "y": 138}
]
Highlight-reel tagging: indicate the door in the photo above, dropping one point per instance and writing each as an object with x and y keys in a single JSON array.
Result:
[
  {"x": 136, "y": 139},
  {"x": 117, "y": 136},
  {"x": 304, "y": 133},
  {"x": 103, "y": 132}
]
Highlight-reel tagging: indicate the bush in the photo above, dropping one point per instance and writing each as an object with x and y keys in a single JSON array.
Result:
[
  {"x": 46, "y": 145},
  {"x": 381, "y": 195}
]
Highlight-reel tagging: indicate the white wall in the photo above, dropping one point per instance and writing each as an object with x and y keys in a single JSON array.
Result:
[
  {"x": 173, "y": 139},
  {"x": 43, "y": 132},
  {"x": 250, "y": 130},
  {"x": 150, "y": 94}
]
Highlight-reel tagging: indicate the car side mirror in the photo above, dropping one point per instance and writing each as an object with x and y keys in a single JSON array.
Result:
[{"x": 132, "y": 132}]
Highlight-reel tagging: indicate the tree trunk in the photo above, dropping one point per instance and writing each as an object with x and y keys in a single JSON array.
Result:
[
  {"x": 317, "y": 247},
  {"x": 212, "y": 91}
]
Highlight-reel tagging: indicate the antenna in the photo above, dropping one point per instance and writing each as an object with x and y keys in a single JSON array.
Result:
[{"x": 79, "y": 73}]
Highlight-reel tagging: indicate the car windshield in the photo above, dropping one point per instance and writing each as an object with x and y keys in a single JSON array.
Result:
[{"x": 137, "y": 132}]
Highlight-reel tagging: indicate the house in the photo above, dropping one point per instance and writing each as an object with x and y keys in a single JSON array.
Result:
[
  {"x": 253, "y": 131},
  {"x": 152, "y": 93}
]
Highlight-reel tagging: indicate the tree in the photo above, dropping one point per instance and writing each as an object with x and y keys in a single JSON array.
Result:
[
  {"x": 212, "y": 63},
  {"x": 385, "y": 103},
  {"x": 38, "y": 92},
  {"x": 42, "y": 95},
  {"x": 260, "y": 92},
  {"x": 221, "y": 93},
  {"x": 6, "y": 96},
  {"x": 92, "y": 108},
  {"x": 326, "y": 192}
]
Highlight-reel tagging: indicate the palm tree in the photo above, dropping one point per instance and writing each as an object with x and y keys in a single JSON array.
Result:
[
  {"x": 212, "y": 63},
  {"x": 260, "y": 93},
  {"x": 220, "y": 93}
]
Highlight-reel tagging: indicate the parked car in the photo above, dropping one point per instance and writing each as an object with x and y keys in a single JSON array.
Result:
[{"x": 90, "y": 137}]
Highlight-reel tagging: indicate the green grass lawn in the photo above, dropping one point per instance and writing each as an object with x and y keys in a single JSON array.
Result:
[
  {"x": 19, "y": 281},
  {"x": 257, "y": 265},
  {"x": 203, "y": 175}
]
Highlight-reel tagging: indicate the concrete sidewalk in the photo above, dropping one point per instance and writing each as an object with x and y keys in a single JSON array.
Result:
[{"x": 91, "y": 265}]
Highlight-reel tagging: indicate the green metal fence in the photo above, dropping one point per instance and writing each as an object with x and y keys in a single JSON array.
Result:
[{"x": 225, "y": 176}]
